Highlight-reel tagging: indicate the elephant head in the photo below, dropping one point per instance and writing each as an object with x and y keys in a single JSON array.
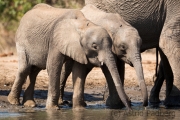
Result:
[
  {"x": 126, "y": 40},
  {"x": 89, "y": 43},
  {"x": 126, "y": 45}
]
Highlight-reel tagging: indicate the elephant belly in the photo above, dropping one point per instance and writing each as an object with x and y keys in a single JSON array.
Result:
[{"x": 38, "y": 59}]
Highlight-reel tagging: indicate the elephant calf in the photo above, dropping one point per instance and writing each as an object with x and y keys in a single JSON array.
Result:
[
  {"x": 126, "y": 46},
  {"x": 46, "y": 38}
]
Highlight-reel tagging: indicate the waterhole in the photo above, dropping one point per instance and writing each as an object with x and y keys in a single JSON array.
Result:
[{"x": 92, "y": 112}]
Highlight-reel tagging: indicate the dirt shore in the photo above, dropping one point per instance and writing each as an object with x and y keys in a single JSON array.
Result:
[{"x": 94, "y": 87}]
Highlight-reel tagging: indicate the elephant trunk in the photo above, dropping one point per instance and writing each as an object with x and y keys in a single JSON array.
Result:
[
  {"x": 111, "y": 65},
  {"x": 136, "y": 61}
]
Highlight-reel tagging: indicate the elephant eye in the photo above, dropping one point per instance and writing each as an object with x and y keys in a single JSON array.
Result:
[
  {"x": 122, "y": 47},
  {"x": 94, "y": 46}
]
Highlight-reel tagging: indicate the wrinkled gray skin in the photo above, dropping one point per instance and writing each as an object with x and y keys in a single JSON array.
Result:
[
  {"x": 158, "y": 78},
  {"x": 126, "y": 46},
  {"x": 158, "y": 23},
  {"x": 46, "y": 38}
]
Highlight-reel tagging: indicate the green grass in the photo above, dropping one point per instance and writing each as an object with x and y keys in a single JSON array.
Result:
[{"x": 13, "y": 10}]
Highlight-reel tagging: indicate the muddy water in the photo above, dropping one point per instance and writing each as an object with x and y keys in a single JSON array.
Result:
[{"x": 92, "y": 112}]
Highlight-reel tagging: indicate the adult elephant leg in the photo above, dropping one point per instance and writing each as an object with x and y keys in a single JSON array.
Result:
[
  {"x": 168, "y": 75},
  {"x": 113, "y": 100},
  {"x": 23, "y": 72},
  {"x": 169, "y": 44},
  {"x": 79, "y": 73},
  {"x": 28, "y": 99},
  {"x": 154, "y": 94},
  {"x": 65, "y": 72}
]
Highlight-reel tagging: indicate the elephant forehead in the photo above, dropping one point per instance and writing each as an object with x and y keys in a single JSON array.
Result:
[
  {"x": 127, "y": 37},
  {"x": 97, "y": 31}
]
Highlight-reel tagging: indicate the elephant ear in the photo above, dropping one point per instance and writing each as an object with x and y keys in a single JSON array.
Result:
[{"x": 67, "y": 37}]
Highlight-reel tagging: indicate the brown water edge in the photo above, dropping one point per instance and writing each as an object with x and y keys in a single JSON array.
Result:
[
  {"x": 96, "y": 108},
  {"x": 91, "y": 114}
]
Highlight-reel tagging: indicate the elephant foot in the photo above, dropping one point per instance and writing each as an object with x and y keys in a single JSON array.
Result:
[
  {"x": 29, "y": 103},
  {"x": 79, "y": 104},
  {"x": 154, "y": 104},
  {"x": 52, "y": 107},
  {"x": 114, "y": 103},
  {"x": 13, "y": 100},
  {"x": 60, "y": 102},
  {"x": 154, "y": 101},
  {"x": 52, "y": 103},
  {"x": 66, "y": 103},
  {"x": 172, "y": 101},
  {"x": 78, "y": 108},
  {"x": 83, "y": 105}
]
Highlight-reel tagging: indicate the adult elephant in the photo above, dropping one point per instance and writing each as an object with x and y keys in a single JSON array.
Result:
[
  {"x": 126, "y": 46},
  {"x": 171, "y": 100},
  {"x": 158, "y": 23},
  {"x": 158, "y": 82},
  {"x": 46, "y": 38}
]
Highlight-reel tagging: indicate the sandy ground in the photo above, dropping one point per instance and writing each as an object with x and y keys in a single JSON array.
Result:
[{"x": 94, "y": 88}]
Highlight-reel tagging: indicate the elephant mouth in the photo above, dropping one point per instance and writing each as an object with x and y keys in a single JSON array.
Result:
[
  {"x": 100, "y": 64},
  {"x": 130, "y": 63},
  {"x": 96, "y": 62},
  {"x": 126, "y": 60}
]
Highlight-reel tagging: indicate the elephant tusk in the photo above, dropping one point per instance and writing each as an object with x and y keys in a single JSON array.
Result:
[{"x": 101, "y": 63}]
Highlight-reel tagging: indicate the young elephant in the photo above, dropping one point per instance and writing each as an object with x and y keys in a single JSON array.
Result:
[
  {"x": 126, "y": 46},
  {"x": 46, "y": 38}
]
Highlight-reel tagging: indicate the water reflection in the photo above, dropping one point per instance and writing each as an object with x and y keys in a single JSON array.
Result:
[
  {"x": 96, "y": 114},
  {"x": 7, "y": 114},
  {"x": 107, "y": 114}
]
